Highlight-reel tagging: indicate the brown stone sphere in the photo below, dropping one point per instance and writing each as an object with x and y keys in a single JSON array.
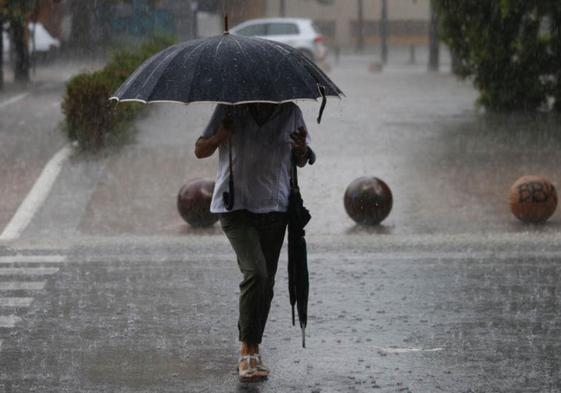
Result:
[
  {"x": 368, "y": 200},
  {"x": 532, "y": 199},
  {"x": 193, "y": 203}
]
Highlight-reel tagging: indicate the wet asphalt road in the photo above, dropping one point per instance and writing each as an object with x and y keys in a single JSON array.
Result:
[
  {"x": 160, "y": 315},
  {"x": 116, "y": 294}
]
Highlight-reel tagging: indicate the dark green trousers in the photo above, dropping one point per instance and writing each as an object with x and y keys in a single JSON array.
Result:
[{"x": 257, "y": 241}]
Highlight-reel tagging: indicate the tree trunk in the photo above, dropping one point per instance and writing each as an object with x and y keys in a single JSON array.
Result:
[
  {"x": 384, "y": 31},
  {"x": 21, "y": 54},
  {"x": 434, "y": 39},
  {"x": 556, "y": 38}
]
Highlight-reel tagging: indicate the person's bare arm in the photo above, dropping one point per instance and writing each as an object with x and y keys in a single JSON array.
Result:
[
  {"x": 205, "y": 147},
  {"x": 300, "y": 147}
]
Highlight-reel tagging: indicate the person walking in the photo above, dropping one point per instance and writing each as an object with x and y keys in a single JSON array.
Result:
[{"x": 263, "y": 139}]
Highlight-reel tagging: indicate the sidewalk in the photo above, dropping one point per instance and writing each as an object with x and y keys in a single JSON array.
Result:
[{"x": 449, "y": 167}]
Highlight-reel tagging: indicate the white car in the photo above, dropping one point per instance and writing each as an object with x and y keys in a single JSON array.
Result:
[
  {"x": 298, "y": 33},
  {"x": 45, "y": 44}
]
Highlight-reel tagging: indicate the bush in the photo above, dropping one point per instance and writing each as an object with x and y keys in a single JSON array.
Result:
[
  {"x": 91, "y": 119},
  {"x": 511, "y": 49}
]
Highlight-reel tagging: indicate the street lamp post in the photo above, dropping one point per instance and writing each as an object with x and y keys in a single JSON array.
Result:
[
  {"x": 384, "y": 31},
  {"x": 1, "y": 53},
  {"x": 194, "y": 5},
  {"x": 360, "y": 27}
]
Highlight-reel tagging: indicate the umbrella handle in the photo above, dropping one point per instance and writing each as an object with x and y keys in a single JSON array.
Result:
[{"x": 228, "y": 197}]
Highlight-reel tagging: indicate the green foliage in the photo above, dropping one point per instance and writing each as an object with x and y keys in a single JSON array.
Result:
[
  {"x": 91, "y": 119},
  {"x": 124, "y": 60},
  {"x": 511, "y": 49}
]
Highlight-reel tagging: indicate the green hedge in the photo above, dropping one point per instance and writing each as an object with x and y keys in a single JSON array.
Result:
[{"x": 90, "y": 119}]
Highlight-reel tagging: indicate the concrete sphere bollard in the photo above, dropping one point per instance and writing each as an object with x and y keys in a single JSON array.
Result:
[
  {"x": 532, "y": 199},
  {"x": 368, "y": 200},
  {"x": 193, "y": 203}
]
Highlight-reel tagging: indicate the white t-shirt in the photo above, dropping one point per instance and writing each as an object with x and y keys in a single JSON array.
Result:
[{"x": 260, "y": 157}]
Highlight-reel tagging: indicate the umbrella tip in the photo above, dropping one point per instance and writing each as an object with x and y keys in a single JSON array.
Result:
[{"x": 226, "y": 23}]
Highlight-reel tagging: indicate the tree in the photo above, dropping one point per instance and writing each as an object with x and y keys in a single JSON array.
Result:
[
  {"x": 17, "y": 13},
  {"x": 510, "y": 48},
  {"x": 434, "y": 39}
]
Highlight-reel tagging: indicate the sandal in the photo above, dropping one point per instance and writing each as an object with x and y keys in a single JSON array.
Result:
[
  {"x": 249, "y": 374},
  {"x": 260, "y": 365}
]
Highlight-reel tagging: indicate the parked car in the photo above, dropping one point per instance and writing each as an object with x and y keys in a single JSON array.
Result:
[
  {"x": 298, "y": 33},
  {"x": 45, "y": 45}
]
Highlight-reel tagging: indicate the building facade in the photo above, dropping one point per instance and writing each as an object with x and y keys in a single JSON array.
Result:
[{"x": 408, "y": 21}]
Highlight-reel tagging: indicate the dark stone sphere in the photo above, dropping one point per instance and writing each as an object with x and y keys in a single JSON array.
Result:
[
  {"x": 193, "y": 203},
  {"x": 368, "y": 200},
  {"x": 532, "y": 199}
]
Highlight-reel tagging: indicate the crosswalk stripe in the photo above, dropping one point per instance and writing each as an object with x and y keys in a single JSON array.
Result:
[
  {"x": 33, "y": 259},
  {"x": 15, "y": 301},
  {"x": 27, "y": 271},
  {"x": 22, "y": 286},
  {"x": 9, "y": 321}
]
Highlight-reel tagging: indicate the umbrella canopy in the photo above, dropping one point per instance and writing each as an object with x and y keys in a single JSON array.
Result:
[
  {"x": 298, "y": 280},
  {"x": 227, "y": 69}
]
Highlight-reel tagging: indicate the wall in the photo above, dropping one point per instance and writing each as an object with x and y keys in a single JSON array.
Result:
[{"x": 408, "y": 21}]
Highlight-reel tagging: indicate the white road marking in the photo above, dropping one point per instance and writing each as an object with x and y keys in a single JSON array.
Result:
[
  {"x": 22, "y": 286},
  {"x": 436, "y": 256},
  {"x": 36, "y": 196},
  {"x": 33, "y": 259},
  {"x": 428, "y": 258},
  {"x": 27, "y": 271},
  {"x": 15, "y": 301},
  {"x": 9, "y": 321},
  {"x": 409, "y": 350},
  {"x": 13, "y": 100}
]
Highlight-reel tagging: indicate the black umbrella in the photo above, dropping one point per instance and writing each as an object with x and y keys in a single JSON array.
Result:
[
  {"x": 228, "y": 69},
  {"x": 298, "y": 282}
]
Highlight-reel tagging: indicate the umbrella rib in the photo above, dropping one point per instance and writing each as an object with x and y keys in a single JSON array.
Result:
[
  {"x": 196, "y": 67},
  {"x": 238, "y": 42},
  {"x": 185, "y": 60},
  {"x": 218, "y": 46},
  {"x": 262, "y": 44},
  {"x": 174, "y": 53},
  {"x": 309, "y": 66}
]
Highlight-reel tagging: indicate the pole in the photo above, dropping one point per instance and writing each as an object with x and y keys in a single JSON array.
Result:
[
  {"x": 384, "y": 31},
  {"x": 360, "y": 27},
  {"x": 282, "y": 8},
  {"x": 434, "y": 44},
  {"x": 1, "y": 53},
  {"x": 194, "y": 8}
]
